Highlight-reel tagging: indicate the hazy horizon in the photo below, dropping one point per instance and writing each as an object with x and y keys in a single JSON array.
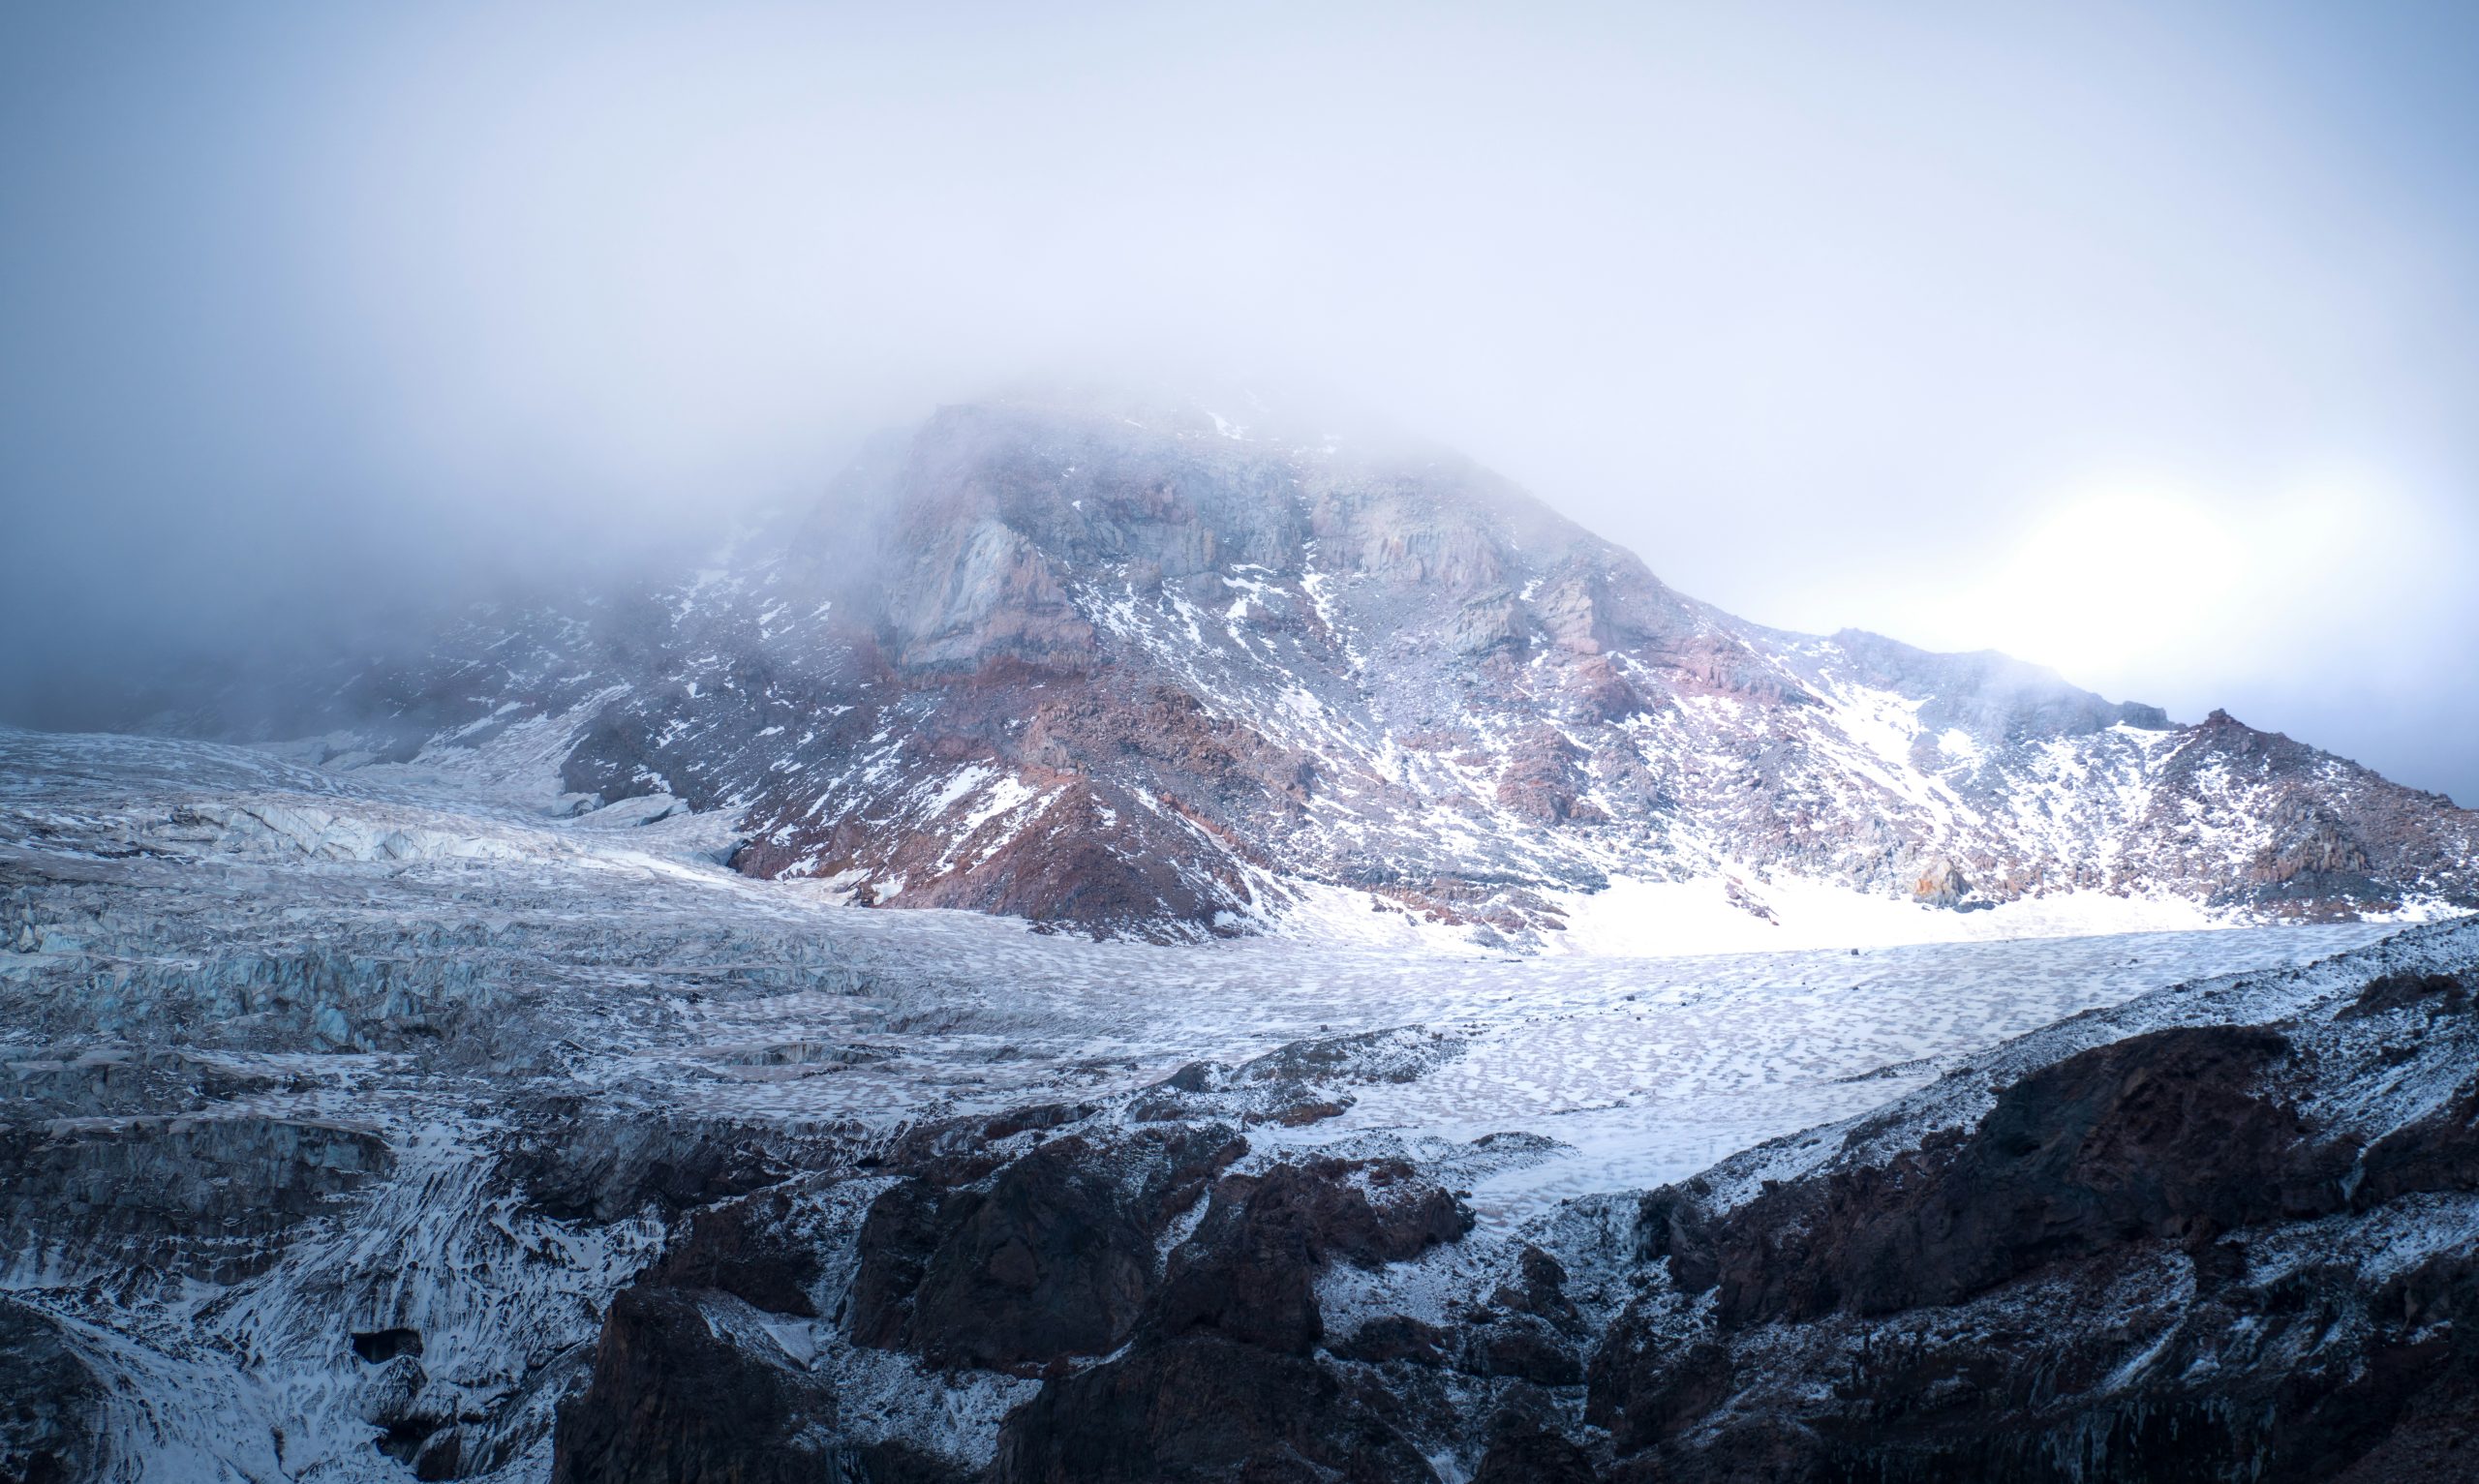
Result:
[{"x": 2135, "y": 343}]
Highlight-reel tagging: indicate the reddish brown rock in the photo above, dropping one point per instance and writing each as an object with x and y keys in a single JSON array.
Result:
[
  {"x": 2161, "y": 1136},
  {"x": 1121, "y": 673}
]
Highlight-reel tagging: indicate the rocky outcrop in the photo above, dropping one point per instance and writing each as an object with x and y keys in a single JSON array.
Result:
[
  {"x": 2330, "y": 837},
  {"x": 2141, "y": 1262},
  {"x": 204, "y": 1198},
  {"x": 1041, "y": 1260},
  {"x": 50, "y": 1404},
  {"x": 1544, "y": 781},
  {"x": 1941, "y": 884},
  {"x": 1204, "y": 1409},
  {"x": 750, "y": 1249},
  {"x": 619, "y": 1167},
  {"x": 1222, "y": 1383},
  {"x": 1248, "y": 1274},
  {"x": 1534, "y": 1457},
  {"x": 688, "y": 1385},
  {"x": 1049, "y": 1259},
  {"x": 573, "y": 1164},
  {"x": 2161, "y": 1136},
  {"x": 980, "y": 593}
]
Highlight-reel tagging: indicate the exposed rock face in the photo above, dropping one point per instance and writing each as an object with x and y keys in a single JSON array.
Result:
[
  {"x": 685, "y": 1387},
  {"x": 2210, "y": 1250},
  {"x": 1221, "y": 1382},
  {"x": 1528, "y": 1331},
  {"x": 206, "y": 1197},
  {"x": 1039, "y": 1265},
  {"x": 2158, "y": 1136},
  {"x": 1203, "y": 1409},
  {"x": 50, "y": 1402},
  {"x": 1941, "y": 884},
  {"x": 1248, "y": 1273},
  {"x": 1050, "y": 1258},
  {"x": 1115, "y": 670},
  {"x": 1535, "y": 1457},
  {"x": 575, "y": 1166},
  {"x": 2152, "y": 1260},
  {"x": 747, "y": 1249}
]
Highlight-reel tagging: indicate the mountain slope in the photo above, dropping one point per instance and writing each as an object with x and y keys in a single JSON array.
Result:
[
  {"x": 367, "y": 1122},
  {"x": 1142, "y": 673}
]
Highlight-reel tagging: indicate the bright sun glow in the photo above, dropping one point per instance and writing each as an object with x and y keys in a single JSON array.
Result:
[{"x": 2126, "y": 580}]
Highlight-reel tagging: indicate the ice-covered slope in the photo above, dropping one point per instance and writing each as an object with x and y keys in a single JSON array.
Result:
[
  {"x": 348, "y": 1100},
  {"x": 1149, "y": 672}
]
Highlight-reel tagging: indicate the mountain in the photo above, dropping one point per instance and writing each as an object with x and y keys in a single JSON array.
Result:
[
  {"x": 499, "y": 1087},
  {"x": 1150, "y": 673}
]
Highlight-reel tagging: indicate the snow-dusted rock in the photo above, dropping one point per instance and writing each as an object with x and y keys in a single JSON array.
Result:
[{"x": 1151, "y": 680}]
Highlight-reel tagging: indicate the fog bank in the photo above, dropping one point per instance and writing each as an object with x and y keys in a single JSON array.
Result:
[{"x": 2135, "y": 341}]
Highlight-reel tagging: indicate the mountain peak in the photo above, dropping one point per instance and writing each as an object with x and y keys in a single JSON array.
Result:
[{"x": 1154, "y": 670}]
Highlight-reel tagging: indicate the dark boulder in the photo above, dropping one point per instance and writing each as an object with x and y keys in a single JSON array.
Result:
[
  {"x": 677, "y": 1396},
  {"x": 1203, "y": 1409},
  {"x": 1525, "y": 1347},
  {"x": 898, "y": 1235},
  {"x": 1249, "y": 1272},
  {"x": 573, "y": 1165},
  {"x": 2439, "y": 1152},
  {"x": 1050, "y": 1258},
  {"x": 2438, "y": 994},
  {"x": 1221, "y": 1382},
  {"x": 50, "y": 1404},
  {"x": 1644, "y": 1390},
  {"x": 747, "y": 1248},
  {"x": 1048, "y": 1262},
  {"x": 1392, "y": 1337},
  {"x": 210, "y": 1197},
  {"x": 1540, "y": 1289},
  {"x": 2068, "y": 1290},
  {"x": 1533, "y": 1457}
]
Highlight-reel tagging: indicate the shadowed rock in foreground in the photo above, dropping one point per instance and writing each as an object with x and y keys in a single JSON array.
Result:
[{"x": 2147, "y": 1245}]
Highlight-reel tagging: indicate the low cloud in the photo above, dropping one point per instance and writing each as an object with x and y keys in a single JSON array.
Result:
[{"x": 318, "y": 320}]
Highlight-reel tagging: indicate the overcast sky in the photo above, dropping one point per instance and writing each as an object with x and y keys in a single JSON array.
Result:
[{"x": 2142, "y": 341}]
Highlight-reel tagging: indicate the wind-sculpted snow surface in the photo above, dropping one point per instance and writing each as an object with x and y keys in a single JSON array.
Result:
[
  {"x": 1149, "y": 673},
  {"x": 379, "y": 1119}
]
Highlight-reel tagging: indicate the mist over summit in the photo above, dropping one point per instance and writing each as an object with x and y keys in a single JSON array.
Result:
[{"x": 1147, "y": 666}]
